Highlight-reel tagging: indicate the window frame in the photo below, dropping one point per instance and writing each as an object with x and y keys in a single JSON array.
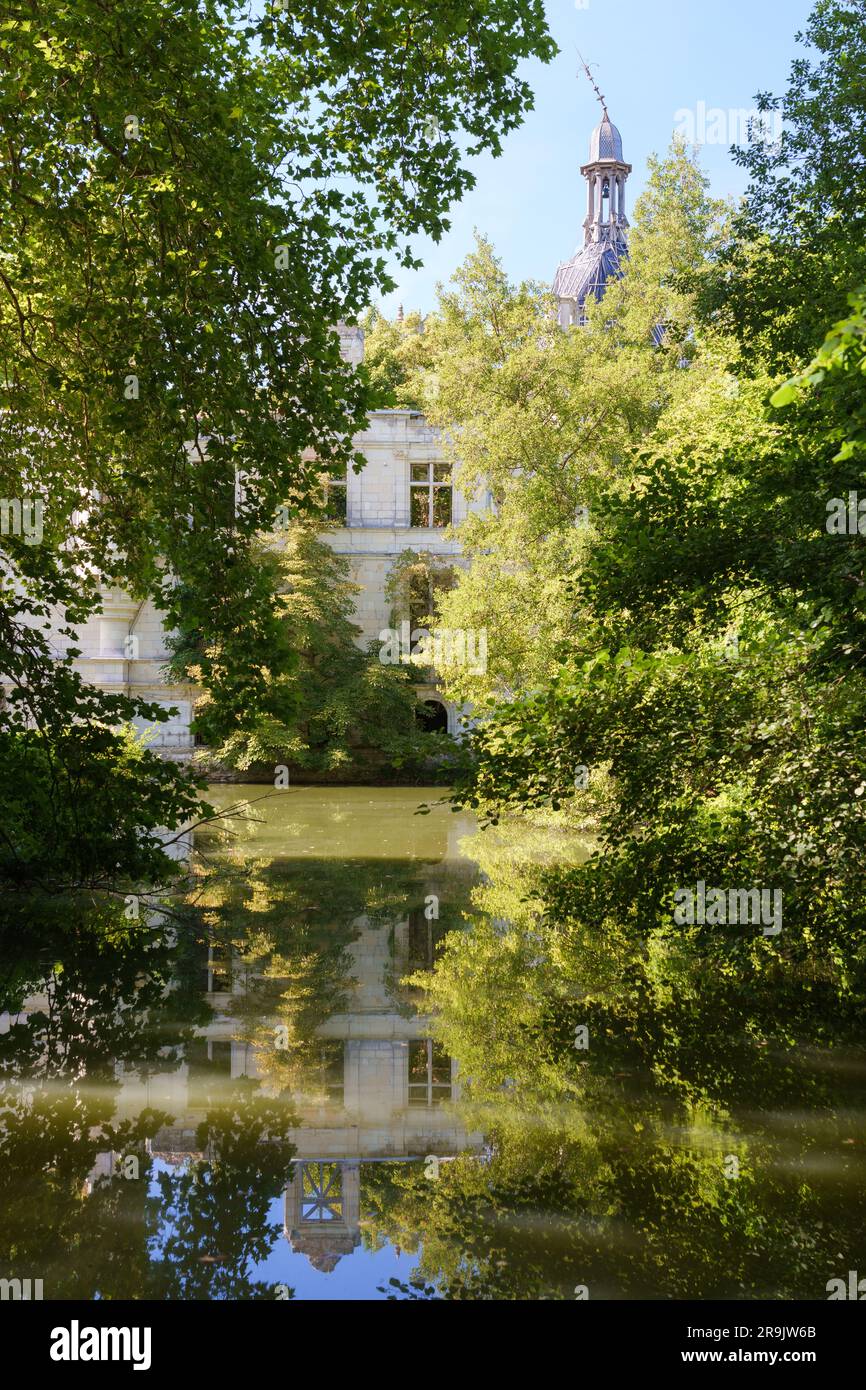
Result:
[
  {"x": 431, "y": 485},
  {"x": 337, "y": 487},
  {"x": 323, "y": 1176}
]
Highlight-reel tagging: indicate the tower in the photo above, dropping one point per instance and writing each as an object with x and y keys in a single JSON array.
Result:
[
  {"x": 604, "y": 228},
  {"x": 605, "y": 174}
]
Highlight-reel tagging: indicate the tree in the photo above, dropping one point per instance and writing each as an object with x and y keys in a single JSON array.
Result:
[
  {"x": 329, "y": 702},
  {"x": 710, "y": 687},
  {"x": 194, "y": 198},
  {"x": 396, "y": 353},
  {"x": 797, "y": 244},
  {"x": 540, "y": 420},
  {"x": 724, "y": 677}
]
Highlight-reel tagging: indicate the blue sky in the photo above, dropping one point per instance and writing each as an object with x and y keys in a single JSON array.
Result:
[{"x": 651, "y": 58}]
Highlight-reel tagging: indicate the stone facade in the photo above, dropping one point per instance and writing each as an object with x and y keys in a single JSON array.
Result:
[{"x": 379, "y": 522}]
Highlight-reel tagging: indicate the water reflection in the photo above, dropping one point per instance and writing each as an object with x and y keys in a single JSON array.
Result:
[
  {"x": 348, "y": 894},
  {"x": 195, "y": 1087},
  {"x": 256, "y": 1093}
]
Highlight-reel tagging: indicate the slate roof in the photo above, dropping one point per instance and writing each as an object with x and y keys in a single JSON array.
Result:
[{"x": 589, "y": 269}]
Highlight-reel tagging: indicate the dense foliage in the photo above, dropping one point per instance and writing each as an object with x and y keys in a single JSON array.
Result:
[
  {"x": 685, "y": 667},
  {"x": 192, "y": 198},
  {"x": 330, "y": 704}
]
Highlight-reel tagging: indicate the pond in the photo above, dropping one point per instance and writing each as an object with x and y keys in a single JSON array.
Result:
[{"x": 366, "y": 1057}]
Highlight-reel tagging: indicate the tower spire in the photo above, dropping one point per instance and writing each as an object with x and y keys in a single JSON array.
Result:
[
  {"x": 592, "y": 82},
  {"x": 605, "y": 175},
  {"x": 605, "y": 225}
]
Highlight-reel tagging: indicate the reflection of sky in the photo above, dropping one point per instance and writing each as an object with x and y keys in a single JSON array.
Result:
[{"x": 356, "y": 1276}]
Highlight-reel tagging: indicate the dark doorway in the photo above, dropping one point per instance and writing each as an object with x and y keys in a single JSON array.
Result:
[{"x": 432, "y": 716}]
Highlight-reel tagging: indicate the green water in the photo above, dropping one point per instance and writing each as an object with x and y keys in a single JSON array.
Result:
[{"x": 259, "y": 1095}]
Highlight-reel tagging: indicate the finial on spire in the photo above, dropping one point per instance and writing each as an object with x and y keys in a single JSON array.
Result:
[{"x": 593, "y": 83}]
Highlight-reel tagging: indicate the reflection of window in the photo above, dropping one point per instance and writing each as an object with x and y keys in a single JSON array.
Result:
[
  {"x": 424, "y": 937},
  {"x": 429, "y": 1073},
  {"x": 219, "y": 971},
  {"x": 430, "y": 494},
  {"x": 331, "y": 1070},
  {"x": 207, "y": 1057},
  {"x": 335, "y": 498},
  {"x": 321, "y": 1192}
]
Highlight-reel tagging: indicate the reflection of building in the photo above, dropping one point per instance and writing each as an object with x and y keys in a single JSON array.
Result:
[
  {"x": 323, "y": 1211},
  {"x": 380, "y": 1089},
  {"x": 386, "y": 1096},
  {"x": 375, "y": 1087},
  {"x": 382, "y": 1086}
]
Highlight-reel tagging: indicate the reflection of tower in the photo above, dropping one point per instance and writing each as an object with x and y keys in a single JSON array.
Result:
[{"x": 323, "y": 1211}]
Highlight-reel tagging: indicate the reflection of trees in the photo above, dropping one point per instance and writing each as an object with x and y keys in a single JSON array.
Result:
[
  {"x": 605, "y": 1166},
  {"x": 123, "y": 1002},
  {"x": 608, "y": 1162},
  {"x": 78, "y": 1244},
  {"x": 547, "y": 955},
  {"x": 210, "y": 1217},
  {"x": 625, "y": 1206},
  {"x": 115, "y": 1000},
  {"x": 105, "y": 1003}
]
